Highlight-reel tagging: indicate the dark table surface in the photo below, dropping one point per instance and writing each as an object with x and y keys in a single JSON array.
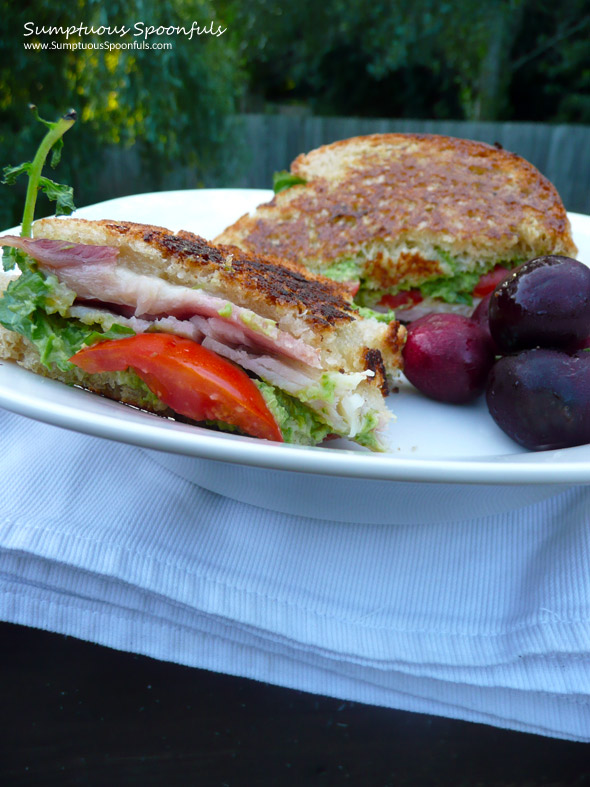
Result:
[{"x": 75, "y": 713}]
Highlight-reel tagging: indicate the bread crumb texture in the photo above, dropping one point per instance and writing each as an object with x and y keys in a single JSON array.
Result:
[{"x": 400, "y": 204}]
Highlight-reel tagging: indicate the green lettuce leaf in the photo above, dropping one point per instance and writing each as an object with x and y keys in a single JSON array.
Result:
[
  {"x": 343, "y": 270},
  {"x": 298, "y": 423},
  {"x": 36, "y": 306},
  {"x": 452, "y": 289},
  {"x": 367, "y": 312},
  {"x": 284, "y": 180}
]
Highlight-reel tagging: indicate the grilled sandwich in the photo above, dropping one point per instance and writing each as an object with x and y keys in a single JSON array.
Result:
[
  {"x": 411, "y": 221},
  {"x": 116, "y": 307}
]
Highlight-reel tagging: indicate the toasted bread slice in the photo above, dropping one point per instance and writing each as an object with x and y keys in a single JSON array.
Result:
[
  {"x": 303, "y": 304},
  {"x": 403, "y": 211},
  {"x": 297, "y": 332}
]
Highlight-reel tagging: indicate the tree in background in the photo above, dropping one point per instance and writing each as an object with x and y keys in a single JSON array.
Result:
[
  {"x": 434, "y": 59},
  {"x": 172, "y": 106},
  {"x": 464, "y": 59},
  {"x": 551, "y": 63}
]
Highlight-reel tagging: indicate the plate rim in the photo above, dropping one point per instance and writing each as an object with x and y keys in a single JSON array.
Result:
[
  {"x": 193, "y": 441},
  {"x": 557, "y": 467}
]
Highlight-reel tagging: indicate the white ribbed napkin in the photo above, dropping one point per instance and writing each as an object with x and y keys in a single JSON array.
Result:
[{"x": 484, "y": 620}]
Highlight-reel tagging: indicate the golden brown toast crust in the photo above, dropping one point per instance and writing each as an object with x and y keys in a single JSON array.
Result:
[
  {"x": 397, "y": 188},
  {"x": 283, "y": 284},
  {"x": 346, "y": 342},
  {"x": 303, "y": 304}
]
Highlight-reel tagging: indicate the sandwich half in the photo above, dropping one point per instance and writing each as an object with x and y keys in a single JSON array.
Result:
[
  {"x": 411, "y": 221},
  {"x": 118, "y": 307}
]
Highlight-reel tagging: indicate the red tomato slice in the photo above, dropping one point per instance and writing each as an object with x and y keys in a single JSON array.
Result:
[
  {"x": 403, "y": 298},
  {"x": 353, "y": 286},
  {"x": 489, "y": 281},
  {"x": 190, "y": 379}
]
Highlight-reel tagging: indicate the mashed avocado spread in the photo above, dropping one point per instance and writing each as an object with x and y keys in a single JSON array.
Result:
[
  {"x": 298, "y": 423},
  {"x": 455, "y": 287}
]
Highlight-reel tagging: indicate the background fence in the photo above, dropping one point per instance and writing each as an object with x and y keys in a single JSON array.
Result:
[{"x": 267, "y": 143}]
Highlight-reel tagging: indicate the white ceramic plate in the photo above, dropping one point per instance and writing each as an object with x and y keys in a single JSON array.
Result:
[{"x": 446, "y": 461}]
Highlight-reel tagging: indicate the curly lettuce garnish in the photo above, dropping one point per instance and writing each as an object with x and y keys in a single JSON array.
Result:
[
  {"x": 59, "y": 193},
  {"x": 36, "y": 305}
]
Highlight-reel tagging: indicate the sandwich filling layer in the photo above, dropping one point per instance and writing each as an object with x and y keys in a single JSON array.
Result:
[
  {"x": 393, "y": 212},
  {"x": 84, "y": 293}
]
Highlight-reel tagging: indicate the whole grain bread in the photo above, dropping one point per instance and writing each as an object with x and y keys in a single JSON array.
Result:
[
  {"x": 407, "y": 208},
  {"x": 16, "y": 348},
  {"x": 303, "y": 304}
]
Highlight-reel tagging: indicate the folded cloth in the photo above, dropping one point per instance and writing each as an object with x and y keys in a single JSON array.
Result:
[{"x": 484, "y": 620}]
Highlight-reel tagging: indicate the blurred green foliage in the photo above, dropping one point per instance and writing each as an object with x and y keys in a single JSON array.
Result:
[
  {"x": 461, "y": 59},
  {"x": 171, "y": 105},
  {"x": 438, "y": 59}
]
